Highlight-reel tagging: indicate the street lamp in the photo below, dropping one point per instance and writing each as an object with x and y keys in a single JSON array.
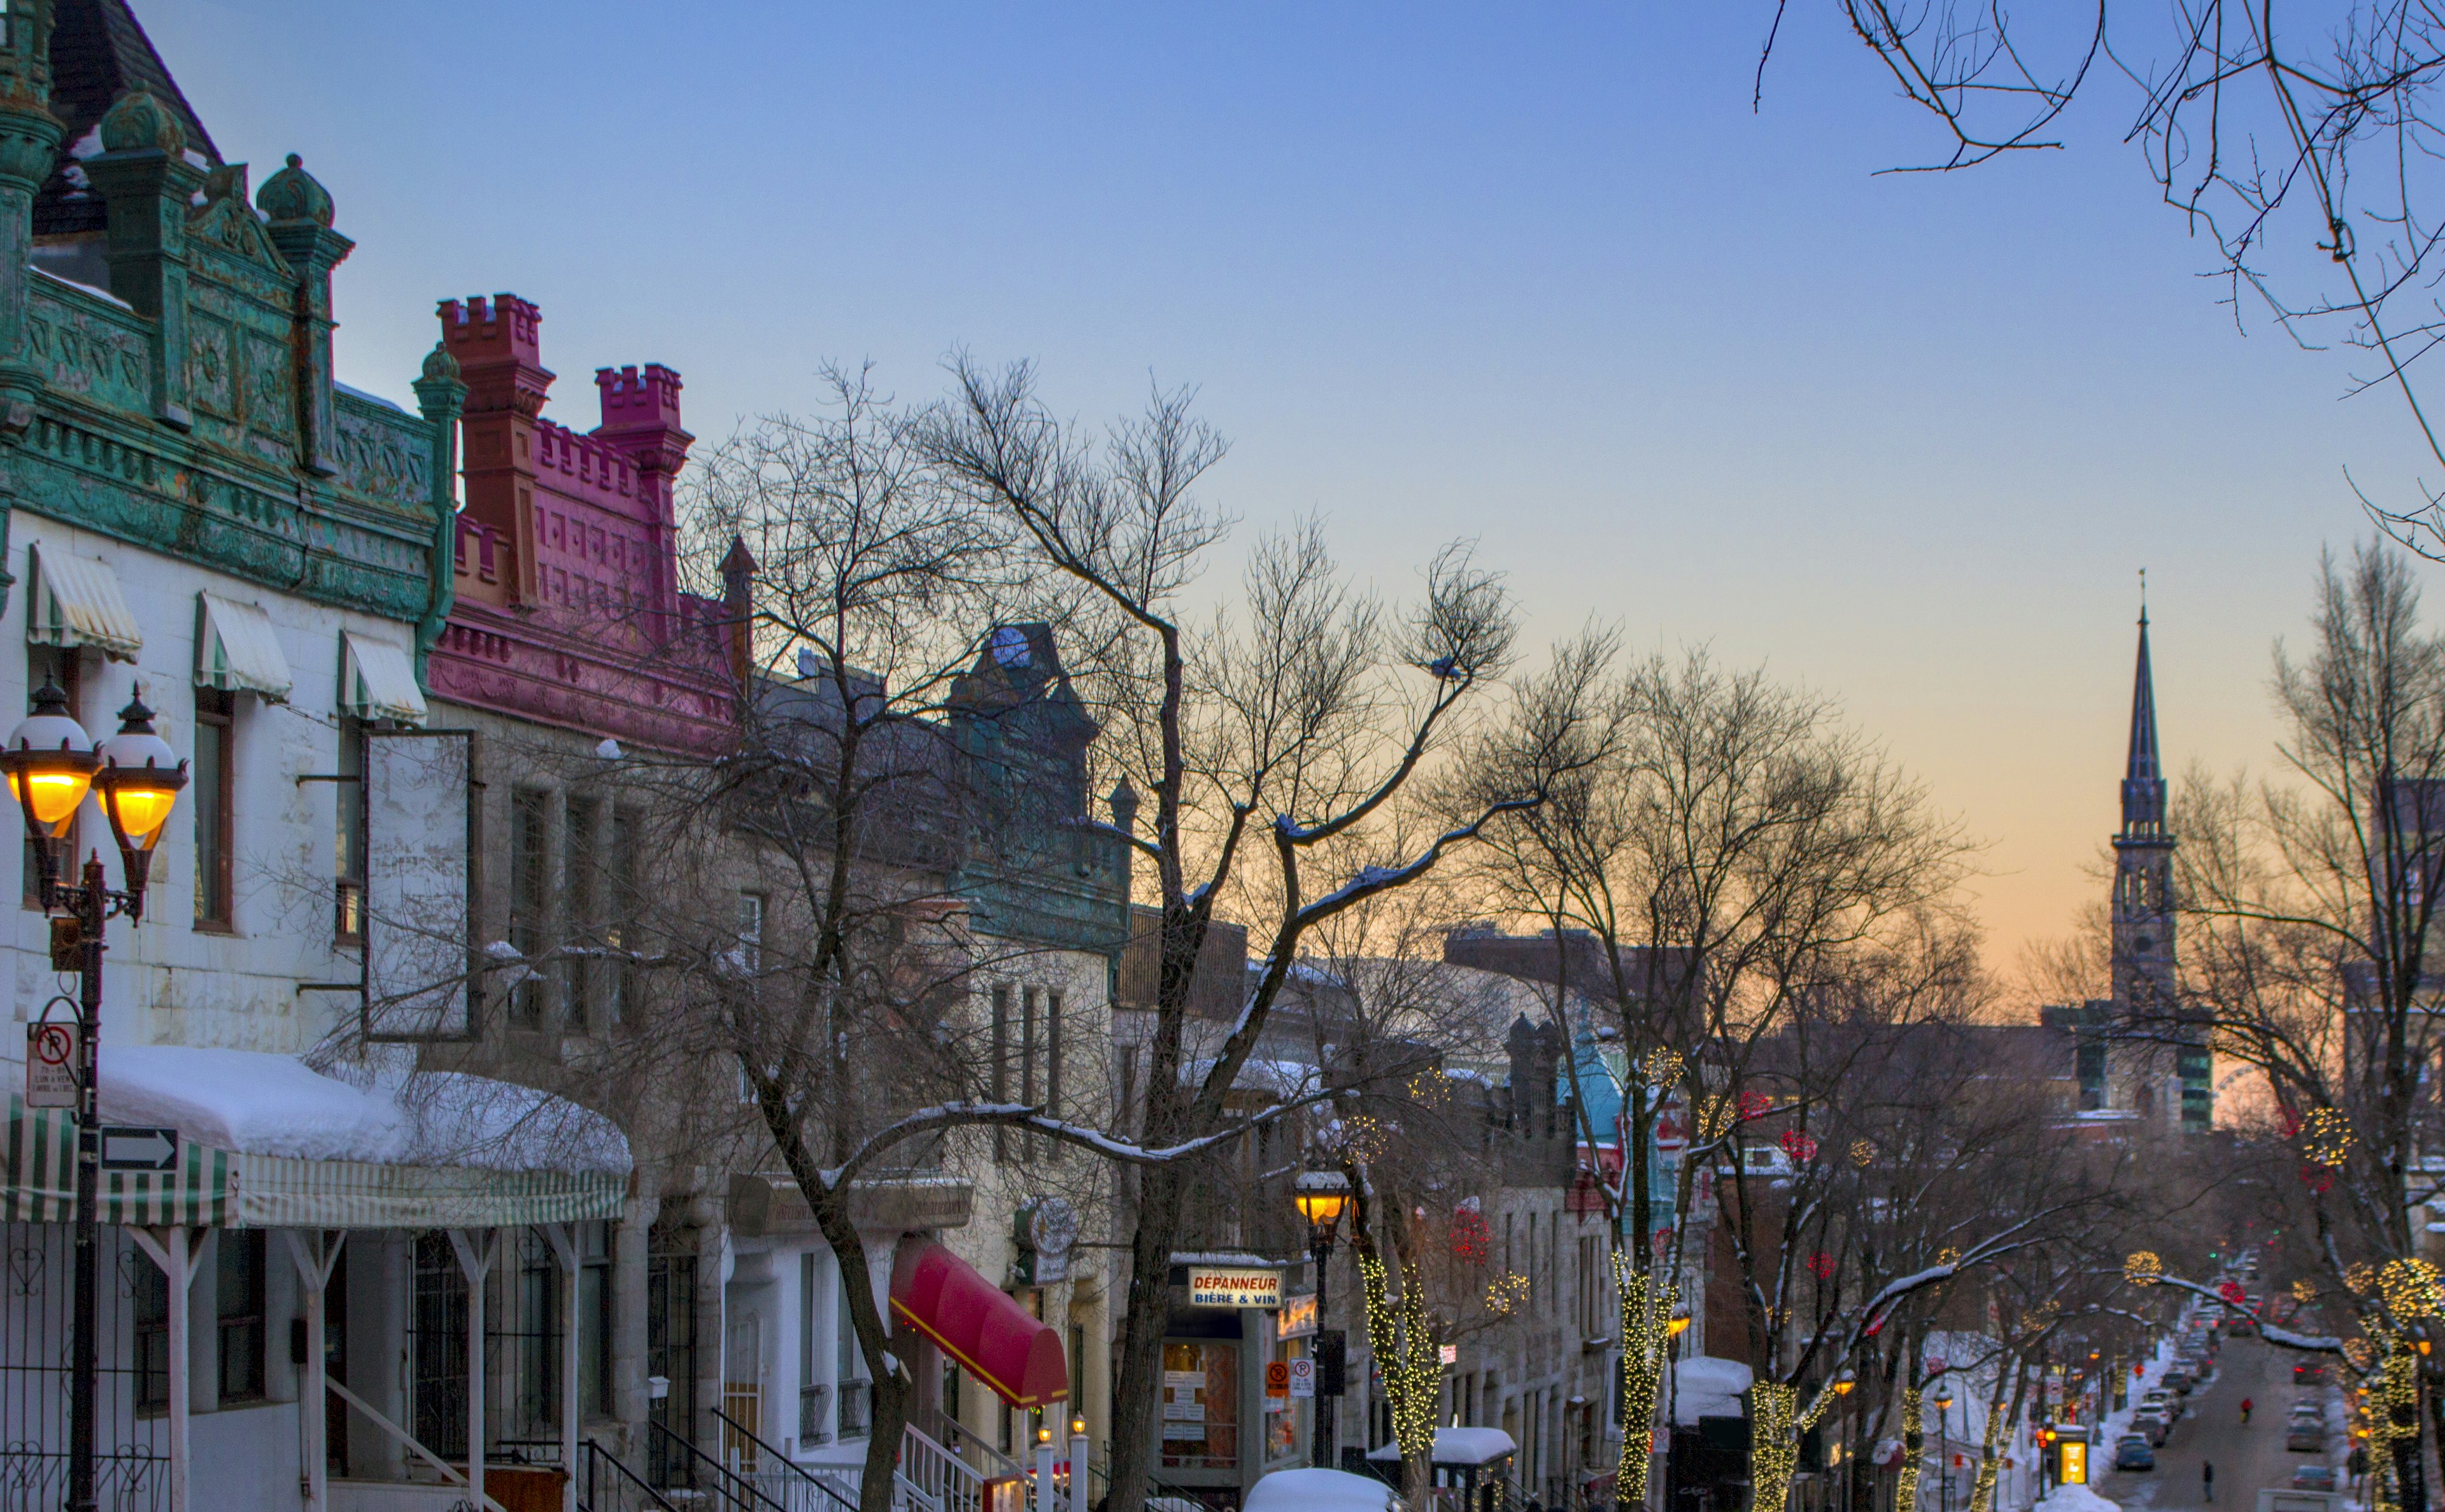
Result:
[
  {"x": 1321, "y": 1196},
  {"x": 51, "y": 764},
  {"x": 1943, "y": 1400}
]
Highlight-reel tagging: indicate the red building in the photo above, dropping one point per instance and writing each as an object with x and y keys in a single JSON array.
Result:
[{"x": 568, "y": 606}]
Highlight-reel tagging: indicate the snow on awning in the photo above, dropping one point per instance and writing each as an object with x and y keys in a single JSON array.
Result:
[
  {"x": 236, "y": 651},
  {"x": 378, "y": 680},
  {"x": 268, "y": 1142},
  {"x": 79, "y": 602},
  {"x": 1706, "y": 1387}
]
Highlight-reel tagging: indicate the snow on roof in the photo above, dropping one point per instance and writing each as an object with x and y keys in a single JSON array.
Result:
[
  {"x": 1706, "y": 1387},
  {"x": 1458, "y": 1445},
  {"x": 1320, "y": 1491},
  {"x": 370, "y": 399},
  {"x": 256, "y": 1104}
]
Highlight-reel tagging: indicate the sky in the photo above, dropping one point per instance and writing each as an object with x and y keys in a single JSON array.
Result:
[{"x": 1537, "y": 276}]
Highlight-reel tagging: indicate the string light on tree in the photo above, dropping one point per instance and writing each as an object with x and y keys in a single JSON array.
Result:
[
  {"x": 2143, "y": 1267},
  {"x": 1663, "y": 1067},
  {"x": 1798, "y": 1145},
  {"x": 1906, "y": 1484},
  {"x": 2412, "y": 1288},
  {"x": 1948, "y": 1256},
  {"x": 1863, "y": 1153},
  {"x": 1647, "y": 1329},
  {"x": 2327, "y": 1136},
  {"x": 1775, "y": 1451},
  {"x": 2304, "y": 1290},
  {"x": 2361, "y": 1352},
  {"x": 2361, "y": 1277},
  {"x": 1406, "y": 1355},
  {"x": 1506, "y": 1293}
]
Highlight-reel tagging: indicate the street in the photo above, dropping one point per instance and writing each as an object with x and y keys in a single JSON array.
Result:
[{"x": 2246, "y": 1459}]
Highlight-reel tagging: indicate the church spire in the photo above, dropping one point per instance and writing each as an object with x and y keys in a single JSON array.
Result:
[{"x": 2143, "y": 774}]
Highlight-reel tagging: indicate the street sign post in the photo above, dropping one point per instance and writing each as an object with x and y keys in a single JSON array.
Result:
[
  {"x": 124, "y": 1147},
  {"x": 50, "y": 1065},
  {"x": 1303, "y": 1377}
]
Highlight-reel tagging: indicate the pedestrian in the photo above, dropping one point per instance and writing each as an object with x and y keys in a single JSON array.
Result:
[
  {"x": 2245, "y": 1412},
  {"x": 2206, "y": 1480}
]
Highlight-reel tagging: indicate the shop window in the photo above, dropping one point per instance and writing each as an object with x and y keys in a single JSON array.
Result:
[
  {"x": 1201, "y": 1406},
  {"x": 238, "y": 1306}
]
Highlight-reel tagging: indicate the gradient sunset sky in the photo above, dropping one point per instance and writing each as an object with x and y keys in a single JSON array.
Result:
[{"x": 1535, "y": 274}]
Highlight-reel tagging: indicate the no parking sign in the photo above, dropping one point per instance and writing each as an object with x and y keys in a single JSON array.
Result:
[
  {"x": 50, "y": 1065},
  {"x": 1303, "y": 1377}
]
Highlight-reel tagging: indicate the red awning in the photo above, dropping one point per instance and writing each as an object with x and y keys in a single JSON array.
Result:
[{"x": 979, "y": 1325}]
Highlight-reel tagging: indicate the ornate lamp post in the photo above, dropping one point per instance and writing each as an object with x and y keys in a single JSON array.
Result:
[
  {"x": 1321, "y": 1196},
  {"x": 51, "y": 764}
]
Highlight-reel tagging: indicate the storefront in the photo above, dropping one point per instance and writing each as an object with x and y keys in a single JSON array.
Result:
[{"x": 1228, "y": 1415}]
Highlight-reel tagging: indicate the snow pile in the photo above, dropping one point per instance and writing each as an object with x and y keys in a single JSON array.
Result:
[
  {"x": 256, "y": 1104},
  {"x": 1706, "y": 1387},
  {"x": 1321, "y": 1491},
  {"x": 1457, "y": 1446},
  {"x": 2076, "y": 1499}
]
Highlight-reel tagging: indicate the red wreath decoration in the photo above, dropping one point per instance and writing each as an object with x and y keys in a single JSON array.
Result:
[
  {"x": 1661, "y": 1241},
  {"x": 1820, "y": 1265},
  {"x": 1471, "y": 1240},
  {"x": 1798, "y": 1145},
  {"x": 1755, "y": 1104},
  {"x": 2317, "y": 1178},
  {"x": 2232, "y": 1292}
]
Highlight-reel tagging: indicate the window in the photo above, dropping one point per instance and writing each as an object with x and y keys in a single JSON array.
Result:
[
  {"x": 1000, "y": 1064},
  {"x": 578, "y": 867},
  {"x": 348, "y": 864},
  {"x": 814, "y": 1397},
  {"x": 537, "y": 1332},
  {"x": 594, "y": 1314},
  {"x": 751, "y": 933},
  {"x": 152, "y": 1338},
  {"x": 238, "y": 1305},
  {"x": 621, "y": 935},
  {"x": 59, "y": 665},
  {"x": 530, "y": 824},
  {"x": 1052, "y": 1065},
  {"x": 1027, "y": 1003},
  {"x": 212, "y": 794},
  {"x": 857, "y": 1403}
]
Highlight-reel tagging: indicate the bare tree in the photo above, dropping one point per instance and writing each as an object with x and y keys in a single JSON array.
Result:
[
  {"x": 2295, "y": 139},
  {"x": 1267, "y": 741}
]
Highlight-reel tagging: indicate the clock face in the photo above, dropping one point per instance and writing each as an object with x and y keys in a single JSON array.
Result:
[{"x": 1053, "y": 1225}]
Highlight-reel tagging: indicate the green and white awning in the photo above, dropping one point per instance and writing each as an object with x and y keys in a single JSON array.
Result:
[
  {"x": 42, "y": 1178},
  {"x": 217, "y": 1189}
]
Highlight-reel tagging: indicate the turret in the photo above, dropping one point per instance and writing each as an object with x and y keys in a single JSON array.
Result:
[
  {"x": 641, "y": 416},
  {"x": 498, "y": 346},
  {"x": 299, "y": 214},
  {"x": 29, "y": 138}
]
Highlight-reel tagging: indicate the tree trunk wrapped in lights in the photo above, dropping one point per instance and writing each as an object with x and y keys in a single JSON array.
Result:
[
  {"x": 1646, "y": 1333},
  {"x": 1404, "y": 1351},
  {"x": 1906, "y": 1484},
  {"x": 1999, "y": 1424},
  {"x": 1773, "y": 1452},
  {"x": 2400, "y": 1394}
]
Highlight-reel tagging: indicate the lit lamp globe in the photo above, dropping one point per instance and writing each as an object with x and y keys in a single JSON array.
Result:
[
  {"x": 1943, "y": 1398},
  {"x": 49, "y": 762},
  {"x": 1321, "y": 1196},
  {"x": 138, "y": 784},
  {"x": 1846, "y": 1383},
  {"x": 1679, "y": 1324}
]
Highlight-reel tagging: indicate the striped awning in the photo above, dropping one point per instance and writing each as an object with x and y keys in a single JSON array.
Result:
[
  {"x": 219, "y": 1190},
  {"x": 236, "y": 649},
  {"x": 42, "y": 1178},
  {"x": 75, "y": 601}
]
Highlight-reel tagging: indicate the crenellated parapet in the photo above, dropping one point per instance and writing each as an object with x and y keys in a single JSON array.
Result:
[{"x": 567, "y": 607}]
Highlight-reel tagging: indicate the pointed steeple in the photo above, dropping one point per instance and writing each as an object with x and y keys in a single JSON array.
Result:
[{"x": 2143, "y": 774}]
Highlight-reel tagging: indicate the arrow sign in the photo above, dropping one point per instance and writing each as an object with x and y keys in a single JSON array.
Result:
[{"x": 125, "y": 1148}]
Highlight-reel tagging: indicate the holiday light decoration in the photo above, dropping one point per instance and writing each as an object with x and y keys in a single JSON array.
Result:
[
  {"x": 1362, "y": 1137},
  {"x": 1948, "y": 1256},
  {"x": 1755, "y": 1104},
  {"x": 2412, "y": 1288},
  {"x": 2232, "y": 1292},
  {"x": 2304, "y": 1290},
  {"x": 1999, "y": 1423},
  {"x": 2360, "y": 1277},
  {"x": 1774, "y": 1451},
  {"x": 1663, "y": 1067},
  {"x": 1506, "y": 1293},
  {"x": 1715, "y": 1118},
  {"x": 2361, "y": 1352},
  {"x": 1906, "y": 1484},
  {"x": 1820, "y": 1265},
  {"x": 1472, "y": 1239},
  {"x": 1797, "y": 1143},
  {"x": 1406, "y": 1355},
  {"x": 2143, "y": 1267},
  {"x": 1863, "y": 1153},
  {"x": 1646, "y": 1334},
  {"x": 2327, "y": 1136}
]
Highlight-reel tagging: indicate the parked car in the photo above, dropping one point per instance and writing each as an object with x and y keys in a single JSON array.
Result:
[
  {"x": 2308, "y": 1372},
  {"x": 2133, "y": 1453},
  {"x": 2243, "y": 1327},
  {"x": 2154, "y": 1396},
  {"x": 2316, "y": 1475},
  {"x": 2154, "y": 1425},
  {"x": 2304, "y": 1437},
  {"x": 2179, "y": 1380}
]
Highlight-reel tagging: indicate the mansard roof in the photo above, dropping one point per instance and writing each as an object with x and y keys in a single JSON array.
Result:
[{"x": 100, "y": 52}]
